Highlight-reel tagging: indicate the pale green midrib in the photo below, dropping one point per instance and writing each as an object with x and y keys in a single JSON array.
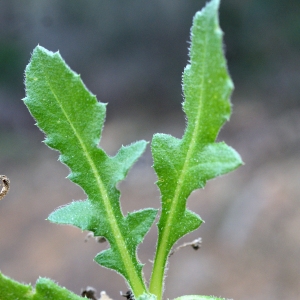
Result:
[
  {"x": 161, "y": 253},
  {"x": 128, "y": 264}
]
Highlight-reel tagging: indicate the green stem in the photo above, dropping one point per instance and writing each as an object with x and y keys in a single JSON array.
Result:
[{"x": 157, "y": 276}]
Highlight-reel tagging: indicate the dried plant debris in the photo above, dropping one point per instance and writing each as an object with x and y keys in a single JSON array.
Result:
[
  {"x": 98, "y": 239},
  {"x": 5, "y": 183},
  {"x": 104, "y": 296},
  {"x": 128, "y": 295},
  {"x": 195, "y": 244},
  {"x": 89, "y": 293}
]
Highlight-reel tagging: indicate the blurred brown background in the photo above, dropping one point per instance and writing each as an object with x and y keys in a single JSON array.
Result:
[{"x": 131, "y": 54}]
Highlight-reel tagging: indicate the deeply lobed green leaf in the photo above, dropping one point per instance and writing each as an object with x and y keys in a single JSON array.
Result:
[
  {"x": 72, "y": 120},
  {"x": 183, "y": 165}
]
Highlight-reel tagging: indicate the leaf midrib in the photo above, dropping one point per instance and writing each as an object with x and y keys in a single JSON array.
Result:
[
  {"x": 164, "y": 238},
  {"x": 112, "y": 221},
  {"x": 192, "y": 143}
]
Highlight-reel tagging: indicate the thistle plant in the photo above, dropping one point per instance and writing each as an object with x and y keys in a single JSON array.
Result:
[{"x": 72, "y": 120}]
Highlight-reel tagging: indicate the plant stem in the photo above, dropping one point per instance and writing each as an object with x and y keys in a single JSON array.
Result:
[{"x": 157, "y": 276}]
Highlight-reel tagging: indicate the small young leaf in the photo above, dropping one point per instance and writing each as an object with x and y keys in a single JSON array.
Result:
[
  {"x": 183, "y": 165},
  {"x": 72, "y": 120},
  {"x": 147, "y": 297},
  {"x": 45, "y": 289}
]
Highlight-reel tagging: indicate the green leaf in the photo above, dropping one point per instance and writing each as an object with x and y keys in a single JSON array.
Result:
[
  {"x": 147, "y": 297},
  {"x": 45, "y": 289},
  {"x": 72, "y": 120},
  {"x": 183, "y": 165},
  {"x": 196, "y": 297}
]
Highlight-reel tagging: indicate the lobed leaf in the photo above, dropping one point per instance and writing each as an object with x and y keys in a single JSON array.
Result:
[
  {"x": 45, "y": 289},
  {"x": 183, "y": 165},
  {"x": 72, "y": 120}
]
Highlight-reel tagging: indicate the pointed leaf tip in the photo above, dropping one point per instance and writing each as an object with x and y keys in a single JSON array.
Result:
[{"x": 183, "y": 165}]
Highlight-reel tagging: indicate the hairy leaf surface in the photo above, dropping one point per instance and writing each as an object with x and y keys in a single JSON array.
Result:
[
  {"x": 45, "y": 289},
  {"x": 197, "y": 297},
  {"x": 72, "y": 120},
  {"x": 183, "y": 165}
]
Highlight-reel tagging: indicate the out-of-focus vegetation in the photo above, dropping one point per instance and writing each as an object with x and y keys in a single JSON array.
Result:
[{"x": 133, "y": 52}]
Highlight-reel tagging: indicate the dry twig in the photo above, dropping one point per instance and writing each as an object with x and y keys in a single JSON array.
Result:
[{"x": 195, "y": 244}]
